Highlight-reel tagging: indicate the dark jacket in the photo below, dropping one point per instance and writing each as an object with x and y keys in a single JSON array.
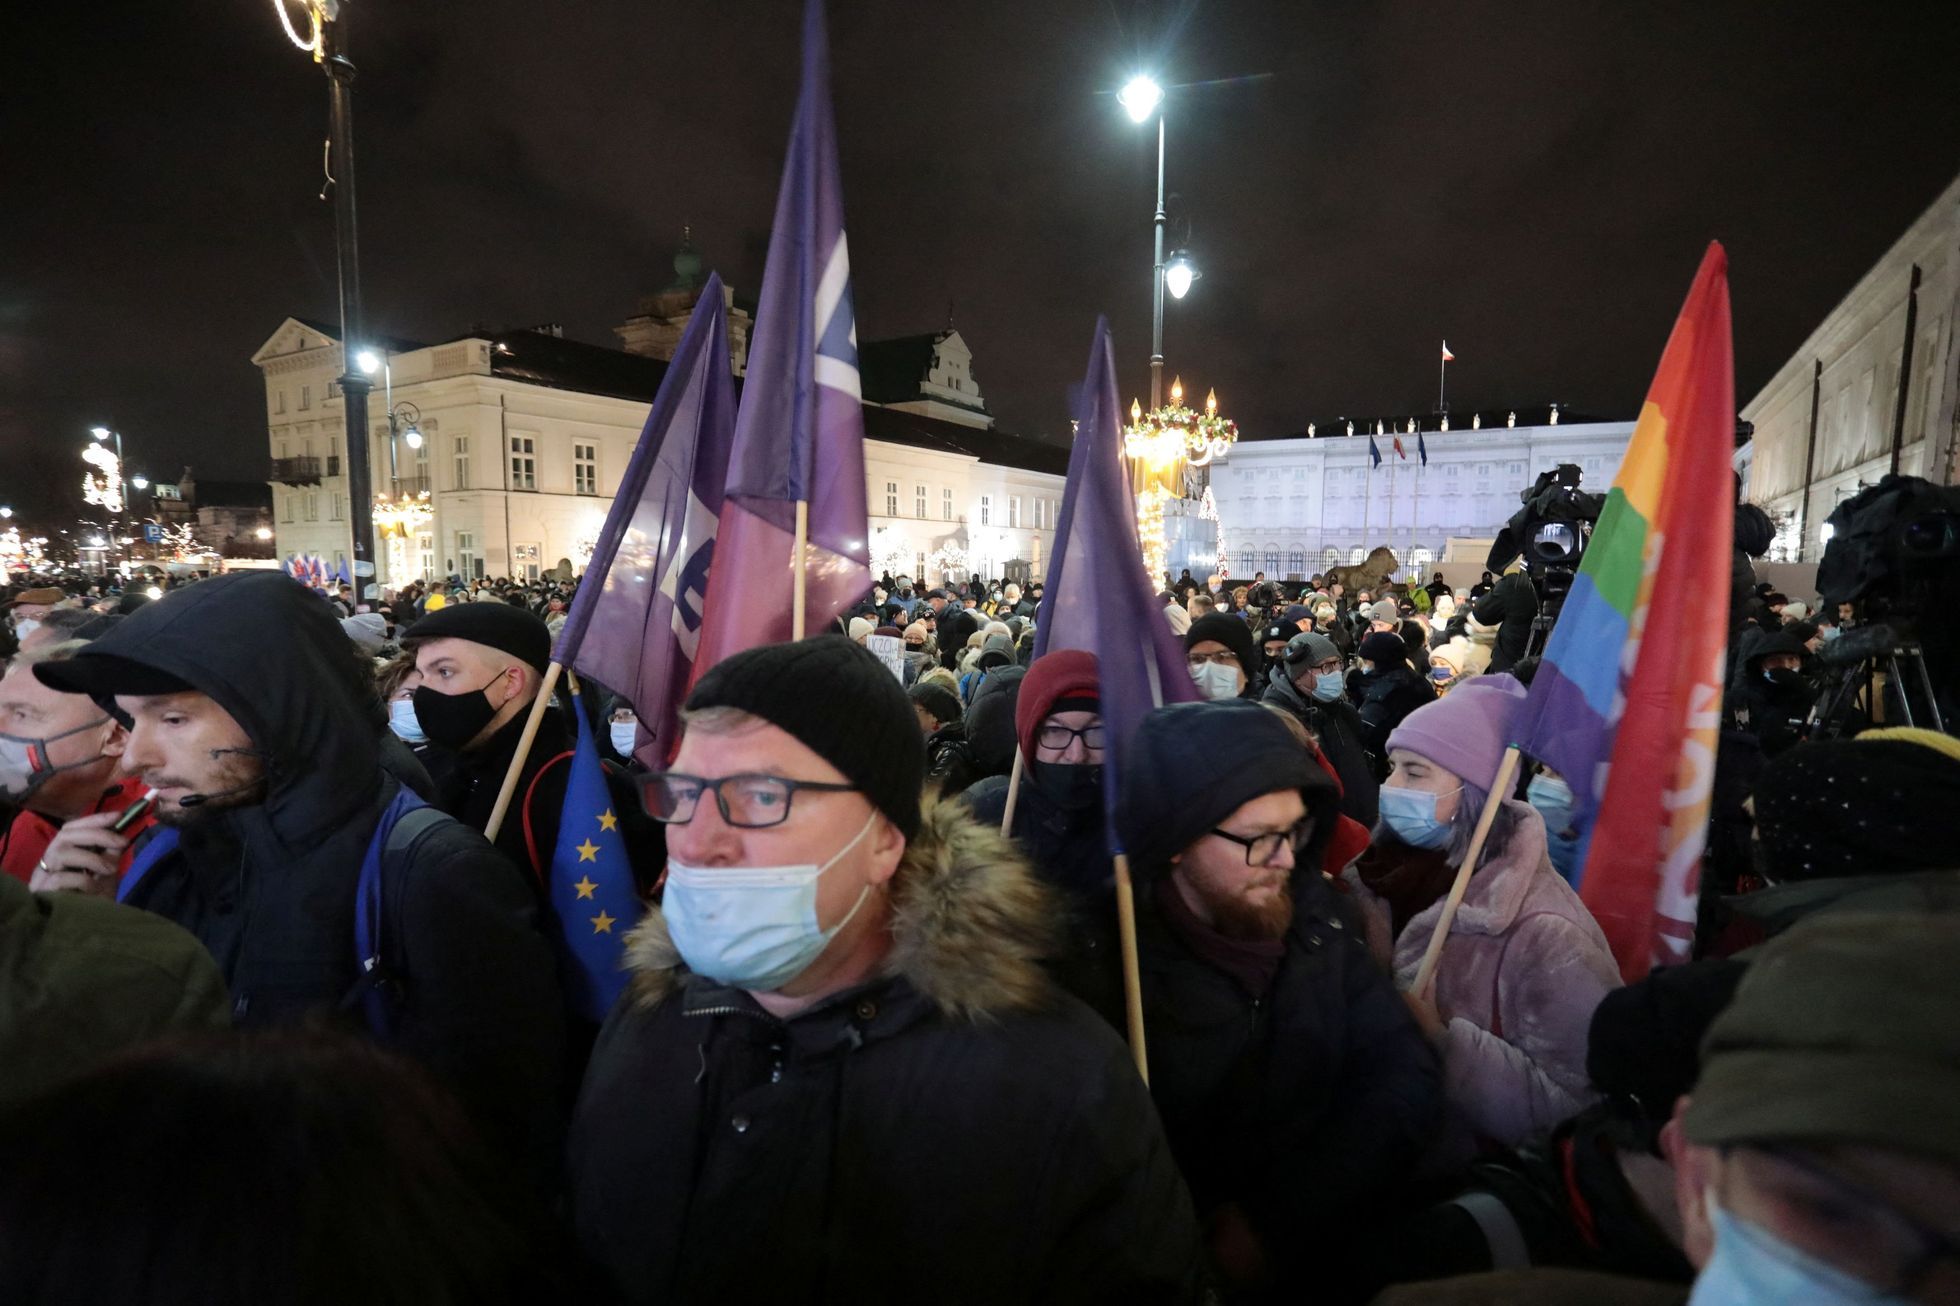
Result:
[
  {"x": 269, "y": 888},
  {"x": 955, "y": 1131},
  {"x": 530, "y": 829},
  {"x": 1342, "y": 738},
  {"x": 1387, "y": 696},
  {"x": 1510, "y": 606},
  {"x": 949, "y": 759},
  {"x": 1772, "y": 710},
  {"x": 1309, "y": 1105},
  {"x": 1067, "y": 846}
]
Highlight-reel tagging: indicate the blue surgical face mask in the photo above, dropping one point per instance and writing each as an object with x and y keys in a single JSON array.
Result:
[
  {"x": 403, "y": 721},
  {"x": 1216, "y": 682},
  {"x": 1328, "y": 687},
  {"x": 1750, "y": 1265},
  {"x": 622, "y": 736},
  {"x": 1553, "y": 799},
  {"x": 1411, "y": 814},
  {"x": 751, "y": 927},
  {"x": 1831, "y": 633}
]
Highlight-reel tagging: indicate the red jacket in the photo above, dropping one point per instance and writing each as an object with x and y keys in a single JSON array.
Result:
[{"x": 27, "y": 839}]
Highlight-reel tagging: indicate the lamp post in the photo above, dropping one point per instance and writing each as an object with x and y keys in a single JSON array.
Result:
[
  {"x": 326, "y": 41},
  {"x": 1141, "y": 97}
]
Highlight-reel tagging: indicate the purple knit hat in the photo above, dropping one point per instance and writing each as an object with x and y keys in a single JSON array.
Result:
[{"x": 1465, "y": 731}]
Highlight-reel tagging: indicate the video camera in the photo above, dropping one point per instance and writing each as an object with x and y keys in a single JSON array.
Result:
[
  {"x": 1894, "y": 550},
  {"x": 1550, "y": 532}
]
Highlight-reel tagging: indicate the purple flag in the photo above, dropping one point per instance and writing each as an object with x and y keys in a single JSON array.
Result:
[
  {"x": 636, "y": 622},
  {"x": 800, "y": 434},
  {"x": 1097, "y": 597}
]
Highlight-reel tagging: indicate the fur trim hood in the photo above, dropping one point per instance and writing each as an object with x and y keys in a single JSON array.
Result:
[{"x": 970, "y": 924}]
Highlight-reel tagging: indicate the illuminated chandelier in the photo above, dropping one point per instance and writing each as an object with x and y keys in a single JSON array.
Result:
[
  {"x": 1161, "y": 446},
  {"x": 399, "y": 521}
]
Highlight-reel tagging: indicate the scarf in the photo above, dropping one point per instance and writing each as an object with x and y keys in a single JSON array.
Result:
[
  {"x": 1252, "y": 963},
  {"x": 1408, "y": 879}
]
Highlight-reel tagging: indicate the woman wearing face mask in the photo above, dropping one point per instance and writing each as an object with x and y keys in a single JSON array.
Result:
[
  {"x": 1524, "y": 964},
  {"x": 1221, "y": 656}
]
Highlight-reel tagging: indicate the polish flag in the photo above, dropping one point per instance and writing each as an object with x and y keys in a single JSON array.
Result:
[{"x": 1448, "y": 357}]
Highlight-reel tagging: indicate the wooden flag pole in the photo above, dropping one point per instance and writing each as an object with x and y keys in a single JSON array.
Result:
[
  {"x": 524, "y": 742},
  {"x": 1126, "y": 930},
  {"x": 797, "y": 560},
  {"x": 1507, "y": 773},
  {"x": 1013, "y": 793}
]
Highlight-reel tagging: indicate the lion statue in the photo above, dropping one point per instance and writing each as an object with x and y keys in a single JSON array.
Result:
[{"x": 1371, "y": 575}]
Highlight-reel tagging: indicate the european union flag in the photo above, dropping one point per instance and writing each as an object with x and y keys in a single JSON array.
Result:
[
  {"x": 1374, "y": 454},
  {"x": 592, "y": 897}
]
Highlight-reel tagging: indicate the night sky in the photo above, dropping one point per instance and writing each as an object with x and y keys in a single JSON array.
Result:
[{"x": 1533, "y": 181}]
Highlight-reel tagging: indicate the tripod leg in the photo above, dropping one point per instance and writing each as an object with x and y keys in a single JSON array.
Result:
[
  {"x": 1895, "y": 680},
  {"x": 1926, "y": 686}
]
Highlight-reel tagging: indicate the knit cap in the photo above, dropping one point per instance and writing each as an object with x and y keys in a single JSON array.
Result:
[{"x": 1466, "y": 731}]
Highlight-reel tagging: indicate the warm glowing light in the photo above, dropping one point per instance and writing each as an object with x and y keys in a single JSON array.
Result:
[
  {"x": 1136, "y": 411},
  {"x": 1211, "y": 402},
  {"x": 263, "y": 532},
  {"x": 1177, "y": 390}
]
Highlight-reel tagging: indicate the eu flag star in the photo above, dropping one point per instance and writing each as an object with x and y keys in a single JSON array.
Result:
[
  {"x": 602, "y": 924},
  {"x": 607, "y": 821},
  {"x": 585, "y": 886},
  {"x": 588, "y": 851}
]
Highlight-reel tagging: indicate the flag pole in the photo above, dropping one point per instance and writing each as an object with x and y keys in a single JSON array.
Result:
[
  {"x": 1013, "y": 793},
  {"x": 524, "y": 742},
  {"x": 1126, "y": 930},
  {"x": 798, "y": 557},
  {"x": 1507, "y": 772},
  {"x": 1442, "y": 383}
]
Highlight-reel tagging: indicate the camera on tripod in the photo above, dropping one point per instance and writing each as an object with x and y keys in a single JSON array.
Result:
[{"x": 1550, "y": 533}]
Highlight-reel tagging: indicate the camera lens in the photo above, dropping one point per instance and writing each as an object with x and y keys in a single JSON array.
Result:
[
  {"x": 1554, "y": 543},
  {"x": 1936, "y": 535}
]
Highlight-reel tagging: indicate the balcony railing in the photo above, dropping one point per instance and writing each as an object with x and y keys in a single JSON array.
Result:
[
  {"x": 297, "y": 471},
  {"x": 408, "y": 487}
]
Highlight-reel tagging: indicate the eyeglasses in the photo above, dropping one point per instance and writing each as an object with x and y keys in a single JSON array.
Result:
[
  {"x": 1260, "y": 850},
  {"x": 1332, "y": 666},
  {"x": 1222, "y": 658},
  {"x": 747, "y": 802},
  {"x": 1056, "y": 737}
]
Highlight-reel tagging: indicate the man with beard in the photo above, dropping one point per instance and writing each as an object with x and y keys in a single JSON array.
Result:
[
  {"x": 322, "y": 888},
  {"x": 1296, "y": 1090}
]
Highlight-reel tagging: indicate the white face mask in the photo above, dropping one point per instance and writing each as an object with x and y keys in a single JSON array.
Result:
[
  {"x": 25, "y": 627},
  {"x": 403, "y": 721},
  {"x": 1753, "y": 1267},
  {"x": 751, "y": 927},
  {"x": 1217, "y": 682},
  {"x": 622, "y": 736}
]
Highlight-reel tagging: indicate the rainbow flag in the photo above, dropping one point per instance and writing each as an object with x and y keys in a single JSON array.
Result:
[{"x": 1628, "y": 699}]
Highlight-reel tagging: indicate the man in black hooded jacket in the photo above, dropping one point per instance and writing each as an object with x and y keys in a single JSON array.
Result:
[{"x": 245, "y": 718}]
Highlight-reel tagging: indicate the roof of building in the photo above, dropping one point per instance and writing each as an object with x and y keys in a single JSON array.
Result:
[
  {"x": 393, "y": 344},
  {"x": 1398, "y": 424},
  {"x": 539, "y": 359},
  {"x": 230, "y": 494},
  {"x": 996, "y": 447},
  {"x": 893, "y": 371}
]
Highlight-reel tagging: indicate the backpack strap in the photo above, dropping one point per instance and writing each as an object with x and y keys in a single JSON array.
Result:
[
  {"x": 378, "y": 990},
  {"x": 530, "y": 835}
]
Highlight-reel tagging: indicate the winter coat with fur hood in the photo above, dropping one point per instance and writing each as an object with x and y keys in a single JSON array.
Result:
[
  {"x": 957, "y": 1130},
  {"x": 1520, "y": 975}
]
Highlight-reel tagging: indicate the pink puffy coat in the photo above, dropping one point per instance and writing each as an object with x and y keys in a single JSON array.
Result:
[{"x": 1524, "y": 966}]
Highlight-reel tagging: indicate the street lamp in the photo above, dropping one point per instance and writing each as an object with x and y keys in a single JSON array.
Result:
[
  {"x": 1179, "y": 273},
  {"x": 1141, "y": 97},
  {"x": 140, "y": 482}
]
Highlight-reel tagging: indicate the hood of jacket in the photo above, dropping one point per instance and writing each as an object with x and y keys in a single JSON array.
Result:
[
  {"x": 272, "y": 655},
  {"x": 970, "y": 924}
]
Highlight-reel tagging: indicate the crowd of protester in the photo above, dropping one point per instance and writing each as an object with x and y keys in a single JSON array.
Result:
[{"x": 280, "y": 1021}]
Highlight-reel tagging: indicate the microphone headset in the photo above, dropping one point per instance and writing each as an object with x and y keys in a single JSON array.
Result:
[{"x": 198, "y": 800}]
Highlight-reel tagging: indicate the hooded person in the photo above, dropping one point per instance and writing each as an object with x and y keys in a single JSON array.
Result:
[
  {"x": 954, "y": 629},
  {"x": 321, "y": 889},
  {"x": 1222, "y": 657},
  {"x": 1308, "y": 682},
  {"x": 1771, "y": 699},
  {"x": 1058, "y": 816},
  {"x": 1524, "y": 964},
  {"x": 1386, "y": 688},
  {"x": 1278, "y": 1048},
  {"x": 481, "y": 668},
  {"x": 840, "y": 981}
]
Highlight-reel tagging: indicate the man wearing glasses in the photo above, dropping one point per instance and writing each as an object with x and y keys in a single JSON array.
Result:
[
  {"x": 1310, "y": 681},
  {"x": 839, "y": 1061},
  {"x": 1818, "y": 1158},
  {"x": 1297, "y": 1092}
]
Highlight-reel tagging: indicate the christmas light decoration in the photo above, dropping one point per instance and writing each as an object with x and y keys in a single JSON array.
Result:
[{"x": 1162, "y": 446}]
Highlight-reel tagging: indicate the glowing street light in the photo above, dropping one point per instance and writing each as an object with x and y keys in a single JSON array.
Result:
[
  {"x": 140, "y": 481},
  {"x": 1140, "y": 97},
  {"x": 263, "y": 532},
  {"x": 367, "y": 361},
  {"x": 1179, "y": 273}
]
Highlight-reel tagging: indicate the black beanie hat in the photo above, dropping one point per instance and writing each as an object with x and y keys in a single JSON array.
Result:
[
  {"x": 1189, "y": 766},
  {"x": 842, "y": 703},
  {"x": 1226, "y": 629},
  {"x": 935, "y": 698},
  {"x": 515, "y": 631},
  {"x": 1384, "y": 648}
]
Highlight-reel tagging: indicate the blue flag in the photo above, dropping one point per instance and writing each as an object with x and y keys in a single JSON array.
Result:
[
  {"x": 635, "y": 625},
  {"x": 1098, "y": 597},
  {"x": 593, "y": 902},
  {"x": 1422, "y": 449},
  {"x": 1374, "y": 453}
]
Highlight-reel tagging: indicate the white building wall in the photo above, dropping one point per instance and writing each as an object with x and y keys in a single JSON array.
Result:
[
  {"x": 998, "y": 514},
  {"x": 1294, "y": 507},
  {"x": 1859, "y": 348}
]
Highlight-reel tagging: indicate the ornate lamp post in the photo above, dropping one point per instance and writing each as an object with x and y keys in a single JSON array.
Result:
[{"x": 1165, "y": 446}]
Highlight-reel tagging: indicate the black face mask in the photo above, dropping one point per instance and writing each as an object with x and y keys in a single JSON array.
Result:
[
  {"x": 1071, "y": 786},
  {"x": 452, "y": 720},
  {"x": 1785, "y": 678}
]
